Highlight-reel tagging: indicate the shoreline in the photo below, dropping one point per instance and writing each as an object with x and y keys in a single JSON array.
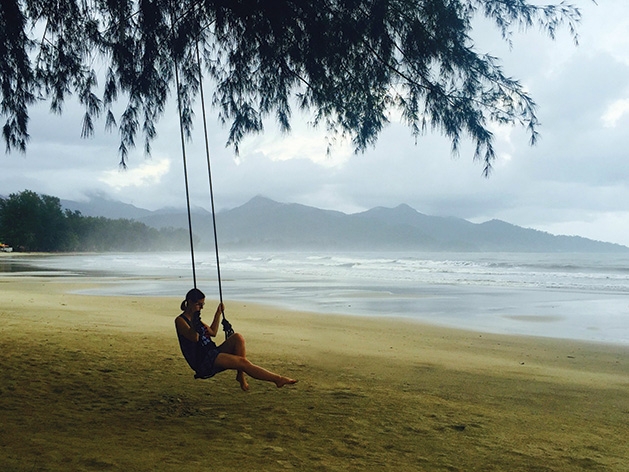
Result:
[
  {"x": 525, "y": 311},
  {"x": 400, "y": 331},
  {"x": 83, "y": 286}
]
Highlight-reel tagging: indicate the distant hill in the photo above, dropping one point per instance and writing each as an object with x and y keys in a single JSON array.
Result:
[{"x": 262, "y": 223}]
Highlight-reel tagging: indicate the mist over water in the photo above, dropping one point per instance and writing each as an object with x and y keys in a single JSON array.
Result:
[{"x": 576, "y": 296}]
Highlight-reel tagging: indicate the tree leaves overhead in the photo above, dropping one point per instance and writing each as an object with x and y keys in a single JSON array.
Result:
[{"x": 351, "y": 63}]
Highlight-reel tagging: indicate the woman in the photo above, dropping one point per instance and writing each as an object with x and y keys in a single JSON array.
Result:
[{"x": 207, "y": 359}]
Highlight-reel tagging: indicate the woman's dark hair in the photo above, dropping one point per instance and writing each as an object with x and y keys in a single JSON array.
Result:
[{"x": 193, "y": 295}]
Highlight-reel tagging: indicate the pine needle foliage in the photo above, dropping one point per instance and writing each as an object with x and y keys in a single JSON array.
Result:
[{"x": 350, "y": 63}]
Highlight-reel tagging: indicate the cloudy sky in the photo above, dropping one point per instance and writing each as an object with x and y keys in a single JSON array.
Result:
[{"x": 574, "y": 181}]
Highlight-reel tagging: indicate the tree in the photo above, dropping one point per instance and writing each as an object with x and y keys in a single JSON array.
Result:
[
  {"x": 32, "y": 222},
  {"x": 349, "y": 62}
]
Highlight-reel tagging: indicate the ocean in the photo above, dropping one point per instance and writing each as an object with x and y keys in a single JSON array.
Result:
[{"x": 574, "y": 296}]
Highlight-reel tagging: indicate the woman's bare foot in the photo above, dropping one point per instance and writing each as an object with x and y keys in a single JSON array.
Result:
[
  {"x": 240, "y": 377},
  {"x": 281, "y": 381}
]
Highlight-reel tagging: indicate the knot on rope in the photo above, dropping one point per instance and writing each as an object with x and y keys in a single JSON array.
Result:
[
  {"x": 197, "y": 325},
  {"x": 227, "y": 327}
]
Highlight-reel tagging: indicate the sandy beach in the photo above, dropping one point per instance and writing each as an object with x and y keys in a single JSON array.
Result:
[{"x": 98, "y": 383}]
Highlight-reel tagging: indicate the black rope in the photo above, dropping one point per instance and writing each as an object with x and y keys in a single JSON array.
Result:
[
  {"x": 185, "y": 169},
  {"x": 227, "y": 327},
  {"x": 209, "y": 174}
]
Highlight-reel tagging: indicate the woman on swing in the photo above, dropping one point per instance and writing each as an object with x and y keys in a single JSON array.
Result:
[{"x": 207, "y": 359}]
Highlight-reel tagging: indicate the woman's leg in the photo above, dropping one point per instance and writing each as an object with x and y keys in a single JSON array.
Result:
[
  {"x": 242, "y": 364},
  {"x": 235, "y": 345}
]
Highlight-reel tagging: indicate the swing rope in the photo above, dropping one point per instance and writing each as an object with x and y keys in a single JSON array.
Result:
[
  {"x": 227, "y": 327},
  {"x": 185, "y": 171}
]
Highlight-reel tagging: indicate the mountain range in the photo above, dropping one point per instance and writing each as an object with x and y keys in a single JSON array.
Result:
[{"x": 262, "y": 223}]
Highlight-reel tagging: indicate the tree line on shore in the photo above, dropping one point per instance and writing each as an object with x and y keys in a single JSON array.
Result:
[{"x": 37, "y": 223}]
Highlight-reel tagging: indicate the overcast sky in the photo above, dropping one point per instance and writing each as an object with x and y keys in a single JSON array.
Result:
[{"x": 574, "y": 181}]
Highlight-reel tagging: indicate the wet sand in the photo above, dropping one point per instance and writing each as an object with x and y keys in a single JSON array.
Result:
[{"x": 98, "y": 383}]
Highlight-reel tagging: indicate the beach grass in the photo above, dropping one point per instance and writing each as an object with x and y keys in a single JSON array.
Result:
[{"x": 93, "y": 383}]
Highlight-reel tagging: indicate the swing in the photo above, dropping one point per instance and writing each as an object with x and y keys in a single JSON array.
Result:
[
  {"x": 207, "y": 367},
  {"x": 227, "y": 327}
]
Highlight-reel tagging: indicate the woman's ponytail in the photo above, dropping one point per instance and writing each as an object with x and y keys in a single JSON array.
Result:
[{"x": 194, "y": 295}]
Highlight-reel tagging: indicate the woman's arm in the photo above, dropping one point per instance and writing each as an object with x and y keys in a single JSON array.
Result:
[
  {"x": 185, "y": 330},
  {"x": 213, "y": 328}
]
